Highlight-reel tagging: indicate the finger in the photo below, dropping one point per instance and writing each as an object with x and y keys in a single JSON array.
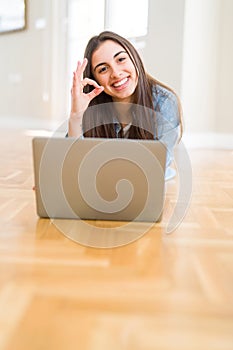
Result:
[
  {"x": 74, "y": 78},
  {"x": 80, "y": 68},
  {"x": 74, "y": 83},
  {"x": 88, "y": 81},
  {"x": 77, "y": 85},
  {"x": 77, "y": 73},
  {"x": 95, "y": 92},
  {"x": 83, "y": 66}
]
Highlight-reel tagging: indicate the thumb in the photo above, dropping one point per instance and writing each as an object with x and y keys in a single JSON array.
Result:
[{"x": 95, "y": 92}]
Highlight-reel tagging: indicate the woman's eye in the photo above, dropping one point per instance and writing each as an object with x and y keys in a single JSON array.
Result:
[
  {"x": 103, "y": 69},
  {"x": 122, "y": 59}
]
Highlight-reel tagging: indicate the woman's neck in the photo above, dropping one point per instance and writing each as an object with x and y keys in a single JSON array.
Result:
[{"x": 124, "y": 113}]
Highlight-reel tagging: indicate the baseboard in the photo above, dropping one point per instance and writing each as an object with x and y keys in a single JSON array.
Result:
[
  {"x": 18, "y": 122},
  {"x": 190, "y": 140},
  {"x": 208, "y": 140}
]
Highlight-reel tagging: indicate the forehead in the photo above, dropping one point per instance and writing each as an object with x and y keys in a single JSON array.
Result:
[{"x": 106, "y": 51}]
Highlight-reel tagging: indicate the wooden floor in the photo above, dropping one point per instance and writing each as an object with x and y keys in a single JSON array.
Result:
[{"x": 160, "y": 292}]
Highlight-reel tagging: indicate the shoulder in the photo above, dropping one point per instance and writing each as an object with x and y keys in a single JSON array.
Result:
[
  {"x": 166, "y": 106},
  {"x": 161, "y": 95}
]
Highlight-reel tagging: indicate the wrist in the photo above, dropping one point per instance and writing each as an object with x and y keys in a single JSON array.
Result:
[
  {"x": 76, "y": 117},
  {"x": 75, "y": 125}
]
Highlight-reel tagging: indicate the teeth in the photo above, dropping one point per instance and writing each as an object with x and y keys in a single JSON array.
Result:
[{"x": 123, "y": 81}]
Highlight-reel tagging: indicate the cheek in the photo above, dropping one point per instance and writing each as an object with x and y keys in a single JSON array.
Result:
[
  {"x": 102, "y": 81},
  {"x": 135, "y": 72}
]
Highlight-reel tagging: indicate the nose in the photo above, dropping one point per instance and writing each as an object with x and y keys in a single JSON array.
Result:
[{"x": 115, "y": 71}]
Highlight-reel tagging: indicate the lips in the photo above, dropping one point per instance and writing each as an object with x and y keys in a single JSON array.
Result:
[{"x": 120, "y": 83}]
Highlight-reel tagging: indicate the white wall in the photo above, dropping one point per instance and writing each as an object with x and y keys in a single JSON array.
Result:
[
  {"x": 32, "y": 66},
  {"x": 164, "y": 43},
  {"x": 189, "y": 46},
  {"x": 207, "y": 72},
  {"x": 224, "y": 109},
  {"x": 200, "y": 64}
]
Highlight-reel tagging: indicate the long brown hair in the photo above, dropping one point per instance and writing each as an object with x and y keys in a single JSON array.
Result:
[{"x": 98, "y": 122}]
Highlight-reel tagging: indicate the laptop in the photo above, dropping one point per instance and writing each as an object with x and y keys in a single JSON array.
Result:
[{"x": 99, "y": 179}]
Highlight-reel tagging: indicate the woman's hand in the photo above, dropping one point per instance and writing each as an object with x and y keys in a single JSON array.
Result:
[{"x": 79, "y": 99}]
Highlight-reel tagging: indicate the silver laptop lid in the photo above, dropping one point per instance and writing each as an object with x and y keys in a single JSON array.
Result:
[{"x": 99, "y": 179}]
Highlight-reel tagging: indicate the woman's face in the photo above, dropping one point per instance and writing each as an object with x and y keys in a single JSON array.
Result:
[{"x": 114, "y": 70}]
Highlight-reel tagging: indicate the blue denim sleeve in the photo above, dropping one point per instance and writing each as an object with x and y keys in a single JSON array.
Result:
[{"x": 167, "y": 120}]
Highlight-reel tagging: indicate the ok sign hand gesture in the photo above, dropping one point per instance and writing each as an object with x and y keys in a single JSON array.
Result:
[{"x": 79, "y": 99}]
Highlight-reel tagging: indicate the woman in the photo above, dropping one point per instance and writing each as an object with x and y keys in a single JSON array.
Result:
[{"x": 123, "y": 99}]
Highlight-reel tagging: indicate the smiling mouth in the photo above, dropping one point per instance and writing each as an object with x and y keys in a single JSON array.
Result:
[{"x": 120, "y": 83}]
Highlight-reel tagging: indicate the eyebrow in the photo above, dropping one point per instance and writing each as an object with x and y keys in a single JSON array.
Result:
[{"x": 102, "y": 63}]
